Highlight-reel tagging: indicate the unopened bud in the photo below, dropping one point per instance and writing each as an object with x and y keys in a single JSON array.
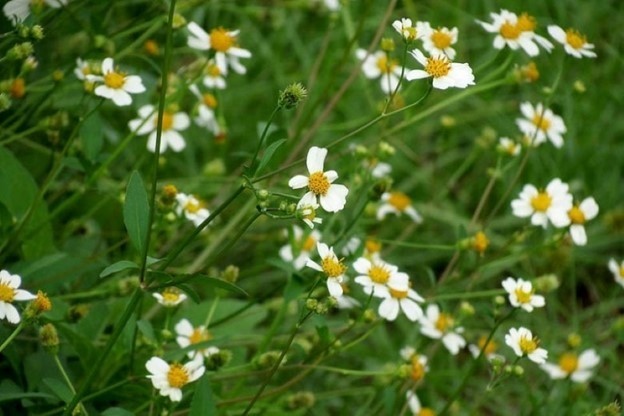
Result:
[
  {"x": 292, "y": 96},
  {"x": 49, "y": 338}
]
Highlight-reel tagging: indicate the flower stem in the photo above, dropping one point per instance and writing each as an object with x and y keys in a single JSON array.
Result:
[
  {"x": 15, "y": 332},
  {"x": 261, "y": 142},
  {"x": 68, "y": 382}
]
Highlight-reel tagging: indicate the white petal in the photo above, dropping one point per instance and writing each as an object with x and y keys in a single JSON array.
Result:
[
  {"x": 335, "y": 199},
  {"x": 133, "y": 84},
  {"x": 416, "y": 74},
  {"x": 589, "y": 207},
  {"x": 389, "y": 309},
  {"x": 557, "y": 33},
  {"x": 299, "y": 181},
  {"x": 334, "y": 287},
  {"x": 21, "y": 294},
  {"x": 157, "y": 365},
  {"x": 411, "y": 309},
  {"x": 184, "y": 327},
  {"x": 107, "y": 65},
  {"x": 316, "y": 159},
  {"x": 577, "y": 232},
  {"x": 12, "y": 315}
]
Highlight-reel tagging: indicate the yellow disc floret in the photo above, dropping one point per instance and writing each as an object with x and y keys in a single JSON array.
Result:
[
  {"x": 398, "y": 294},
  {"x": 114, "y": 80},
  {"x": 386, "y": 65},
  {"x": 576, "y": 215},
  {"x": 526, "y": 23},
  {"x": 440, "y": 39},
  {"x": 177, "y": 376},
  {"x": 488, "y": 349},
  {"x": 318, "y": 183},
  {"x": 7, "y": 293},
  {"x": 444, "y": 322},
  {"x": 528, "y": 345},
  {"x": 199, "y": 335},
  {"x": 541, "y": 202},
  {"x": 399, "y": 200},
  {"x": 379, "y": 274},
  {"x": 438, "y": 67},
  {"x": 522, "y": 296},
  {"x": 167, "y": 121},
  {"x": 510, "y": 30},
  {"x": 209, "y": 100},
  {"x": 221, "y": 40},
  {"x": 333, "y": 267},
  {"x": 575, "y": 39},
  {"x": 568, "y": 362},
  {"x": 308, "y": 244},
  {"x": 541, "y": 122}
]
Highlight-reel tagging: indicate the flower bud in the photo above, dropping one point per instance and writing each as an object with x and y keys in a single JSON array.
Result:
[
  {"x": 387, "y": 44},
  {"x": 292, "y": 96},
  {"x": 300, "y": 400},
  {"x": 49, "y": 338},
  {"x": 266, "y": 360}
]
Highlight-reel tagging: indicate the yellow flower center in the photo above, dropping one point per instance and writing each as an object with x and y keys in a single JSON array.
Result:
[
  {"x": 444, "y": 322},
  {"x": 170, "y": 296},
  {"x": 167, "y": 121},
  {"x": 425, "y": 411},
  {"x": 409, "y": 33},
  {"x": 399, "y": 200},
  {"x": 386, "y": 65},
  {"x": 523, "y": 297},
  {"x": 576, "y": 215},
  {"x": 575, "y": 39},
  {"x": 528, "y": 345},
  {"x": 622, "y": 271},
  {"x": 480, "y": 242},
  {"x": 213, "y": 70},
  {"x": 379, "y": 274},
  {"x": 192, "y": 206},
  {"x": 309, "y": 213},
  {"x": 85, "y": 70},
  {"x": 398, "y": 294},
  {"x": 318, "y": 183},
  {"x": 177, "y": 376},
  {"x": 541, "y": 122},
  {"x": 530, "y": 72},
  {"x": 526, "y": 23},
  {"x": 199, "y": 335},
  {"x": 308, "y": 244},
  {"x": 541, "y": 202},
  {"x": 440, "y": 39},
  {"x": 509, "y": 30},
  {"x": 332, "y": 267},
  {"x": 209, "y": 100},
  {"x": 221, "y": 40},
  {"x": 42, "y": 302},
  {"x": 417, "y": 372},
  {"x": 438, "y": 67},
  {"x": 568, "y": 362},
  {"x": 372, "y": 246},
  {"x": 490, "y": 348},
  {"x": 114, "y": 80},
  {"x": 6, "y": 293}
]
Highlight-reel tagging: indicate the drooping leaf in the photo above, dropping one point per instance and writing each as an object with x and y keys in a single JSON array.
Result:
[
  {"x": 268, "y": 154},
  {"x": 136, "y": 212},
  {"x": 118, "y": 267}
]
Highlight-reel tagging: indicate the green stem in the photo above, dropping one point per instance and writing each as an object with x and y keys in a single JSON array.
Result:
[
  {"x": 68, "y": 381},
  {"x": 261, "y": 142},
  {"x": 471, "y": 295},
  {"x": 15, "y": 332},
  {"x": 418, "y": 245}
]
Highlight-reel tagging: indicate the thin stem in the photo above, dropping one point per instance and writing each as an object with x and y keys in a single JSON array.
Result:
[
  {"x": 15, "y": 332},
  {"x": 262, "y": 138},
  {"x": 68, "y": 381},
  {"x": 417, "y": 245}
]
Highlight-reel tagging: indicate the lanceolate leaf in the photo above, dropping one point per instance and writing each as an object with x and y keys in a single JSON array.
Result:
[
  {"x": 268, "y": 153},
  {"x": 136, "y": 212}
]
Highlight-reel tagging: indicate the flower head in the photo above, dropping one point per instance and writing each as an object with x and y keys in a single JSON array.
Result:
[
  {"x": 418, "y": 363},
  {"x": 415, "y": 407},
  {"x": 223, "y": 42},
  {"x": 579, "y": 214},
  {"x": 489, "y": 349},
  {"x": 522, "y": 295},
  {"x": 573, "y": 42},
  {"x": 374, "y": 274},
  {"x": 406, "y": 29},
  {"x": 170, "y": 297},
  {"x": 332, "y": 197},
  {"x": 508, "y": 146},
  {"x": 172, "y": 124},
  {"x": 438, "y": 41},
  {"x": 9, "y": 293},
  {"x": 617, "y": 270},
  {"x": 540, "y": 123},
  {"x": 192, "y": 208},
  {"x": 298, "y": 250},
  {"x": 577, "y": 367},
  {"x": 306, "y": 210},
  {"x": 213, "y": 77},
  {"x": 522, "y": 342},
  {"x": 206, "y": 111},
  {"x": 116, "y": 86},
  {"x": 550, "y": 205},
  {"x": 515, "y": 32},
  {"x": 398, "y": 296},
  {"x": 331, "y": 266},
  {"x": 190, "y": 335},
  {"x": 440, "y": 325},
  {"x": 397, "y": 203},
  {"x": 170, "y": 378},
  {"x": 445, "y": 74},
  {"x": 380, "y": 65},
  {"x": 83, "y": 68}
]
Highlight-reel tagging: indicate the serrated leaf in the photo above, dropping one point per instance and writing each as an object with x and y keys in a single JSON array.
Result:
[
  {"x": 118, "y": 267},
  {"x": 136, "y": 212},
  {"x": 203, "y": 402},
  {"x": 268, "y": 153}
]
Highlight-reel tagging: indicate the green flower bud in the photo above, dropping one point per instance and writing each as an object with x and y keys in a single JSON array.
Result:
[{"x": 292, "y": 96}]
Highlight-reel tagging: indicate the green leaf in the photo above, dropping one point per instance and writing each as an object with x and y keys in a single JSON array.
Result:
[
  {"x": 117, "y": 411},
  {"x": 117, "y": 267},
  {"x": 203, "y": 402},
  {"x": 18, "y": 192},
  {"x": 136, "y": 212},
  {"x": 146, "y": 329},
  {"x": 197, "y": 278},
  {"x": 92, "y": 136},
  {"x": 59, "y": 388},
  {"x": 268, "y": 153}
]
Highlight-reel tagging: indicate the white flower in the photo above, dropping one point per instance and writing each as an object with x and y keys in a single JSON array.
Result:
[
  {"x": 18, "y": 10},
  {"x": 189, "y": 335},
  {"x": 223, "y": 42},
  {"x": 345, "y": 301},
  {"x": 523, "y": 343},
  {"x": 521, "y": 294},
  {"x": 440, "y": 325},
  {"x": 298, "y": 250},
  {"x": 397, "y": 203},
  {"x": 332, "y": 197},
  {"x": 379, "y": 65},
  {"x": 172, "y": 123},
  {"x": 351, "y": 246},
  {"x": 541, "y": 123},
  {"x": 437, "y": 41},
  {"x": 445, "y": 74},
  {"x": 414, "y": 405},
  {"x": 331, "y": 266},
  {"x": 306, "y": 210},
  {"x": 9, "y": 293},
  {"x": 206, "y": 116},
  {"x": 573, "y": 42},
  {"x": 117, "y": 85},
  {"x": 213, "y": 77},
  {"x": 579, "y": 214},
  {"x": 515, "y": 32},
  {"x": 551, "y": 205},
  {"x": 192, "y": 208},
  {"x": 578, "y": 368},
  {"x": 489, "y": 350},
  {"x": 170, "y": 297},
  {"x": 170, "y": 378},
  {"x": 380, "y": 170},
  {"x": 333, "y": 5},
  {"x": 506, "y": 145},
  {"x": 397, "y": 296},
  {"x": 617, "y": 270},
  {"x": 374, "y": 274},
  {"x": 82, "y": 69},
  {"x": 406, "y": 29}
]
